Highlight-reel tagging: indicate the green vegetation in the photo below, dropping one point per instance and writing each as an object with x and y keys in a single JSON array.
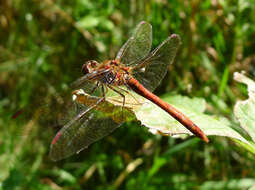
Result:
[{"x": 42, "y": 47}]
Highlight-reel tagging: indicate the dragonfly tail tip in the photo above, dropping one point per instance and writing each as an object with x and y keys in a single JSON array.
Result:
[{"x": 205, "y": 138}]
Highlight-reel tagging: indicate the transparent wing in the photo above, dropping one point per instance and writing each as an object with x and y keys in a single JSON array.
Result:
[
  {"x": 89, "y": 123},
  {"x": 138, "y": 46},
  {"x": 153, "y": 69},
  {"x": 85, "y": 83}
]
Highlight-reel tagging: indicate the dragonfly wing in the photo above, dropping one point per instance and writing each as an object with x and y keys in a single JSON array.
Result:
[
  {"x": 86, "y": 127},
  {"x": 138, "y": 46},
  {"x": 87, "y": 85},
  {"x": 153, "y": 69}
]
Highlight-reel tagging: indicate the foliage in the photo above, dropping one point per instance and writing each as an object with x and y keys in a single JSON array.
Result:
[{"x": 42, "y": 47}]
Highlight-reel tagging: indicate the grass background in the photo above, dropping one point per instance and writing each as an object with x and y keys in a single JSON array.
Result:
[{"x": 42, "y": 47}]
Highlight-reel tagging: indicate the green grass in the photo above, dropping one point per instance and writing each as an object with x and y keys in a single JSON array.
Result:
[{"x": 42, "y": 47}]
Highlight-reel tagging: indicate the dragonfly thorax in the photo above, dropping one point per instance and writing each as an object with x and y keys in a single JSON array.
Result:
[
  {"x": 110, "y": 72},
  {"x": 117, "y": 73}
]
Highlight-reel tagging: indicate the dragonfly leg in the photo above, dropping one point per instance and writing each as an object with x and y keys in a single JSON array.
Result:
[
  {"x": 103, "y": 91},
  {"x": 122, "y": 95},
  {"x": 126, "y": 91},
  {"x": 93, "y": 90}
]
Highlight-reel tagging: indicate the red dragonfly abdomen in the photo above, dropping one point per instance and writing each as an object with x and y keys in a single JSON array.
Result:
[{"x": 184, "y": 120}]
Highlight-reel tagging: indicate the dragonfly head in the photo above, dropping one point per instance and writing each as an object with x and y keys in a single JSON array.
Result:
[{"x": 89, "y": 66}]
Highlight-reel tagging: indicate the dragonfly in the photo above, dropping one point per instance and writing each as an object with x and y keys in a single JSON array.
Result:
[{"x": 136, "y": 68}]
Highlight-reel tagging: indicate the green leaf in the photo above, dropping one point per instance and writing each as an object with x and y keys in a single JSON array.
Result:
[
  {"x": 245, "y": 110},
  {"x": 157, "y": 120}
]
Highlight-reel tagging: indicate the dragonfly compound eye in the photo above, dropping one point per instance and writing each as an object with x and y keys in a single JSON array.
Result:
[
  {"x": 93, "y": 63},
  {"x": 85, "y": 70},
  {"x": 88, "y": 67}
]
